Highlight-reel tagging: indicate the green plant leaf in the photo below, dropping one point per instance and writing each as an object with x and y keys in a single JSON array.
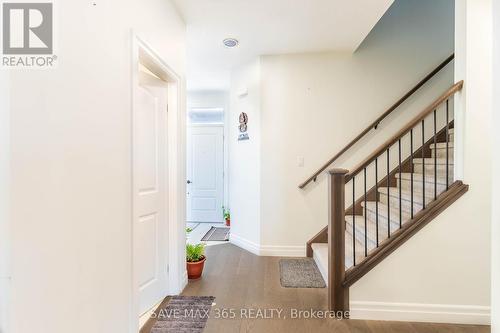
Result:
[{"x": 195, "y": 252}]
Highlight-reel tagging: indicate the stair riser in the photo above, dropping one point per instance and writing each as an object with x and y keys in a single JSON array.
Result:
[
  {"x": 359, "y": 255},
  {"x": 429, "y": 169},
  {"x": 406, "y": 197},
  {"x": 371, "y": 238},
  {"x": 348, "y": 252},
  {"x": 382, "y": 220},
  {"x": 441, "y": 153}
]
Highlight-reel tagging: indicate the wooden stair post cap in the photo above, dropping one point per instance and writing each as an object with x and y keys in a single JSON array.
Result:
[{"x": 338, "y": 171}]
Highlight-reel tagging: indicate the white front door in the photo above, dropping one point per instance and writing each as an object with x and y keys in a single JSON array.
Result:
[
  {"x": 150, "y": 228},
  {"x": 205, "y": 173}
]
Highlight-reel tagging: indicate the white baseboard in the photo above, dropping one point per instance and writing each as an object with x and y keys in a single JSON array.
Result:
[
  {"x": 244, "y": 244},
  {"x": 282, "y": 251},
  {"x": 267, "y": 250},
  {"x": 433, "y": 313}
]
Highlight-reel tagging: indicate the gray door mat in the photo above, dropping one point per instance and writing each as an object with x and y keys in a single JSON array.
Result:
[
  {"x": 300, "y": 273},
  {"x": 217, "y": 234}
]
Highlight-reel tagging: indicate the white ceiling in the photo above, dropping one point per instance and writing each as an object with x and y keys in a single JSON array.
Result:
[{"x": 266, "y": 27}]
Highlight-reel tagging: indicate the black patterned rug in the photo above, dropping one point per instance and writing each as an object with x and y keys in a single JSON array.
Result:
[{"x": 184, "y": 314}]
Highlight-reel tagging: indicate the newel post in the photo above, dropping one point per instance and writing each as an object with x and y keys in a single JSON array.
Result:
[{"x": 338, "y": 296}]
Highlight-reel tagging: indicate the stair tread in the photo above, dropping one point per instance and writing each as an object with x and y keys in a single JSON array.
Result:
[
  {"x": 430, "y": 161},
  {"x": 406, "y": 194},
  {"x": 382, "y": 210},
  {"x": 370, "y": 225},
  {"x": 360, "y": 220},
  {"x": 429, "y": 178},
  {"x": 442, "y": 145},
  {"x": 371, "y": 237}
]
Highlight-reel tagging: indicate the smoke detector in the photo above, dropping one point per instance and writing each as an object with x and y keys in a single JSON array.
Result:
[{"x": 230, "y": 42}]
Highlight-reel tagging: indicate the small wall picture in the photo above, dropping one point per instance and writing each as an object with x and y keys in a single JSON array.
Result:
[{"x": 243, "y": 127}]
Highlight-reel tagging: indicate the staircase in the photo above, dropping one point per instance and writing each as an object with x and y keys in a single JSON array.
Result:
[
  {"x": 399, "y": 197},
  {"x": 380, "y": 204}
]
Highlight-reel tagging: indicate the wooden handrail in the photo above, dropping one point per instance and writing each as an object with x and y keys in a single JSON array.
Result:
[
  {"x": 455, "y": 88},
  {"x": 374, "y": 124}
]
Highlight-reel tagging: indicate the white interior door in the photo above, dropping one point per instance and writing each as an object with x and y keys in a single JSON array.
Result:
[
  {"x": 205, "y": 173},
  {"x": 150, "y": 230}
]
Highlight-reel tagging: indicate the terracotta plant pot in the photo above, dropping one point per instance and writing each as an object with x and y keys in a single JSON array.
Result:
[
  {"x": 228, "y": 222},
  {"x": 195, "y": 269}
]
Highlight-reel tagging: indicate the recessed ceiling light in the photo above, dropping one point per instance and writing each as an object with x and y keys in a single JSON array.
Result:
[{"x": 230, "y": 42}]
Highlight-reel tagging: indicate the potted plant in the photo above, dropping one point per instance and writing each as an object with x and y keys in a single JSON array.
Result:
[
  {"x": 227, "y": 216},
  {"x": 195, "y": 260}
]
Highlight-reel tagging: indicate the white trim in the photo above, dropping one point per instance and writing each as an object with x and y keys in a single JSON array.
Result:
[
  {"x": 206, "y": 125},
  {"x": 176, "y": 171},
  {"x": 5, "y": 227},
  {"x": 244, "y": 244},
  {"x": 459, "y": 100},
  {"x": 267, "y": 250},
  {"x": 495, "y": 219},
  {"x": 184, "y": 280},
  {"x": 207, "y": 109},
  {"x": 435, "y": 313},
  {"x": 282, "y": 251}
]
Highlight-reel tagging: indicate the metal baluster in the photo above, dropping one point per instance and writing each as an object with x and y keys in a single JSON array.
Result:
[
  {"x": 354, "y": 220},
  {"x": 435, "y": 158},
  {"x": 400, "y": 205},
  {"x": 376, "y": 197},
  {"x": 411, "y": 174},
  {"x": 366, "y": 232},
  {"x": 447, "y": 142},
  {"x": 388, "y": 200},
  {"x": 423, "y": 163}
]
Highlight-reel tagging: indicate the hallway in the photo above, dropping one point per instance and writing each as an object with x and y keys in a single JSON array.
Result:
[{"x": 242, "y": 281}]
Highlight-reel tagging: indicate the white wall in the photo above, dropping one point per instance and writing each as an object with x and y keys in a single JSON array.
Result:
[
  {"x": 314, "y": 104},
  {"x": 71, "y": 168},
  {"x": 208, "y": 99},
  {"x": 495, "y": 226},
  {"x": 449, "y": 275},
  {"x": 245, "y": 157},
  {"x": 4, "y": 200}
]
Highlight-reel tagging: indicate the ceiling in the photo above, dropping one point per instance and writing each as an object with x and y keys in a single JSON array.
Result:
[{"x": 266, "y": 27}]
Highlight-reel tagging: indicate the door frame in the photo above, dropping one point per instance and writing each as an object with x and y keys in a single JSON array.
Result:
[
  {"x": 143, "y": 53},
  {"x": 225, "y": 173}
]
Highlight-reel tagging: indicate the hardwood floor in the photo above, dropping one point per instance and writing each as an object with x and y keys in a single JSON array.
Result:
[{"x": 240, "y": 280}]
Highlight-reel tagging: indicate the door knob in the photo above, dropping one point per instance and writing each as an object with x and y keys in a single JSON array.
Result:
[{"x": 189, "y": 182}]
